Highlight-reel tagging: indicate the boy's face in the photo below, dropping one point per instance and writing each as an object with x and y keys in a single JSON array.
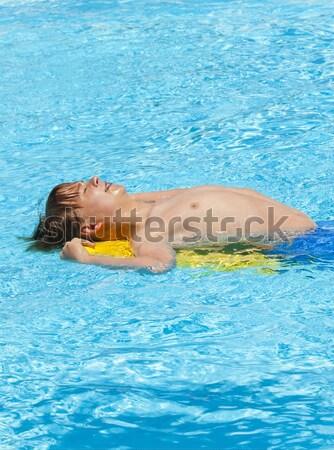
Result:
[{"x": 99, "y": 198}]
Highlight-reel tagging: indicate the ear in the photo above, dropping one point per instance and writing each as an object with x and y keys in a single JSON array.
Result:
[{"x": 89, "y": 230}]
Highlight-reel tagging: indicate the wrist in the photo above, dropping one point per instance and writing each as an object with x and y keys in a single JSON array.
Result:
[{"x": 86, "y": 259}]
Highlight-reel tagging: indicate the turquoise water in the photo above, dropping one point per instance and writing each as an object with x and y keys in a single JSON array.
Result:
[{"x": 161, "y": 94}]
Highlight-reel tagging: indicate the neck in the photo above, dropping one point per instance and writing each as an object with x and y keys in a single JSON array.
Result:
[{"x": 125, "y": 221}]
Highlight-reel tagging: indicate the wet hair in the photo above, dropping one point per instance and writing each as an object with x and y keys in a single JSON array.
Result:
[{"x": 61, "y": 221}]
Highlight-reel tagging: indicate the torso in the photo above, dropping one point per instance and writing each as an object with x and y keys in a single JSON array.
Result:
[{"x": 231, "y": 209}]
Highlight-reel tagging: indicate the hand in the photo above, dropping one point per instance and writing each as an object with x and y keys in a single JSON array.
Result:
[{"x": 76, "y": 251}]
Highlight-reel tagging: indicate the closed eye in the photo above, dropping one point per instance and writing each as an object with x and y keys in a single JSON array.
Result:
[{"x": 85, "y": 186}]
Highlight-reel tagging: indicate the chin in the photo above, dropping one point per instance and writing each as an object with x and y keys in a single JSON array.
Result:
[{"x": 119, "y": 189}]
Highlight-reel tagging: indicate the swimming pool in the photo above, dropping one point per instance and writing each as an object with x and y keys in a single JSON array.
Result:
[{"x": 162, "y": 94}]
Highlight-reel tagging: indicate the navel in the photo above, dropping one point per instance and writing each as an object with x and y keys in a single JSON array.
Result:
[{"x": 194, "y": 205}]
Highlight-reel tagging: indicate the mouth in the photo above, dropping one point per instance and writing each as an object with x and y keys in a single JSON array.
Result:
[{"x": 107, "y": 186}]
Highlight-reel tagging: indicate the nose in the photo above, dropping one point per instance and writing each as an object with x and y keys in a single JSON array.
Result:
[{"x": 94, "y": 181}]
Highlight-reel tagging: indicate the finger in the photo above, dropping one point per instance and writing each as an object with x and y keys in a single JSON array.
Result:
[
  {"x": 87, "y": 243},
  {"x": 62, "y": 255}
]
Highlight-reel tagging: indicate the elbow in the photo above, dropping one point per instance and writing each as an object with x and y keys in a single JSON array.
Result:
[{"x": 161, "y": 266}]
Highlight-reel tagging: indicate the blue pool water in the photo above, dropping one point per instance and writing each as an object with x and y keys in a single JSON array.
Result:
[{"x": 161, "y": 94}]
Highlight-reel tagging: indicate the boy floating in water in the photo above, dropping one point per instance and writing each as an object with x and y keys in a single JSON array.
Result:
[{"x": 156, "y": 223}]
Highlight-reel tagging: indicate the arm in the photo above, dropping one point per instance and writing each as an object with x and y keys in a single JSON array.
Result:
[
  {"x": 155, "y": 195},
  {"x": 155, "y": 257}
]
